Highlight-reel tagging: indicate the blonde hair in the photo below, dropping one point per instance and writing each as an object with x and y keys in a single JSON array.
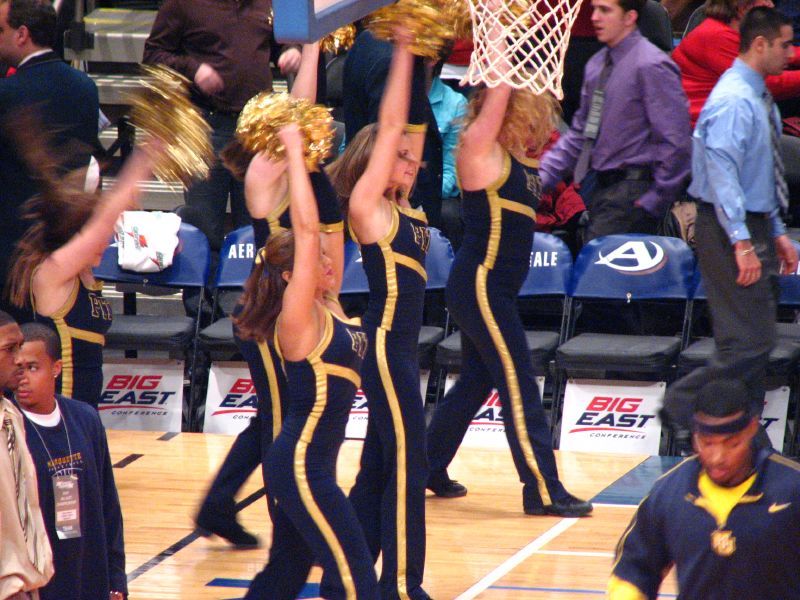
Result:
[{"x": 529, "y": 120}]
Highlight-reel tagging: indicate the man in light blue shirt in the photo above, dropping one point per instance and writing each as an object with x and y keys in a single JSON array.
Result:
[{"x": 741, "y": 240}]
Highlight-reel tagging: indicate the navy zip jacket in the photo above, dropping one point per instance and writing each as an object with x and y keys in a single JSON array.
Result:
[
  {"x": 754, "y": 554},
  {"x": 90, "y": 566}
]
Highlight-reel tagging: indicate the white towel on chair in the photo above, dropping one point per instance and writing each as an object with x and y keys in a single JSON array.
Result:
[{"x": 146, "y": 241}]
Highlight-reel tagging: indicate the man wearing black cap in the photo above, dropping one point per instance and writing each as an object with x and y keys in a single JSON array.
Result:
[{"x": 727, "y": 518}]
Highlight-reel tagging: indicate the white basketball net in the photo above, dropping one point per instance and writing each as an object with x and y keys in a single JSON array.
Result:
[{"x": 536, "y": 33}]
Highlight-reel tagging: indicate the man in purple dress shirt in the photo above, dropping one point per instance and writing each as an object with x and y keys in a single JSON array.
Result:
[{"x": 630, "y": 141}]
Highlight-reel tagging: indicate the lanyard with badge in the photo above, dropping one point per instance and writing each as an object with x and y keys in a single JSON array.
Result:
[{"x": 65, "y": 491}]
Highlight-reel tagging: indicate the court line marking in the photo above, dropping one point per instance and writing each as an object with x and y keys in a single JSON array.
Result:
[
  {"x": 126, "y": 461},
  {"x": 185, "y": 541},
  {"x": 517, "y": 559},
  {"x": 602, "y": 505}
]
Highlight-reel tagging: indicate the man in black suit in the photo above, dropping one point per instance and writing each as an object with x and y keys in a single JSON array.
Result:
[{"x": 64, "y": 100}]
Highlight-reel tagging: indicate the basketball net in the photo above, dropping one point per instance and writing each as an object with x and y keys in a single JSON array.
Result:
[{"x": 536, "y": 33}]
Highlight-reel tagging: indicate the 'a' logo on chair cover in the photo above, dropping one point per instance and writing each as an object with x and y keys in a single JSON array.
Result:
[{"x": 635, "y": 257}]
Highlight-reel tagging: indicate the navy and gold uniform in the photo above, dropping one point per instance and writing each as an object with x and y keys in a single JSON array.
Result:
[
  {"x": 389, "y": 492},
  {"x": 330, "y": 215},
  {"x": 251, "y": 445},
  {"x": 313, "y": 518},
  {"x": 738, "y": 542},
  {"x": 481, "y": 295},
  {"x": 81, "y": 324}
]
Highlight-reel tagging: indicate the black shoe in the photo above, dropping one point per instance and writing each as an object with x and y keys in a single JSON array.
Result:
[
  {"x": 571, "y": 507},
  {"x": 444, "y": 487},
  {"x": 210, "y": 521}
]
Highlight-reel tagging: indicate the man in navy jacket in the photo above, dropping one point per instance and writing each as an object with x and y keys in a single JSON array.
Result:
[
  {"x": 727, "y": 518},
  {"x": 63, "y": 100},
  {"x": 77, "y": 493}
]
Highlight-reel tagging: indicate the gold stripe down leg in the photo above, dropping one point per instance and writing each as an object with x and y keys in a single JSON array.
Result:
[
  {"x": 306, "y": 495},
  {"x": 400, "y": 455},
  {"x": 274, "y": 388},
  {"x": 512, "y": 383}
]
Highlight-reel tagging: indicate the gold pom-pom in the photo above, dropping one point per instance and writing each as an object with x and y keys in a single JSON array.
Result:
[
  {"x": 162, "y": 110},
  {"x": 339, "y": 40},
  {"x": 430, "y": 23},
  {"x": 265, "y": 113}
]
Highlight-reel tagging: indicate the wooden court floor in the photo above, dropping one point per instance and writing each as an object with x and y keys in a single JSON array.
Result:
[{"x": 480, "y": 546}]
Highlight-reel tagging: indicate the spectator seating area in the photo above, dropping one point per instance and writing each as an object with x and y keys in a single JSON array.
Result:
[{"x": 606, "y": 285}]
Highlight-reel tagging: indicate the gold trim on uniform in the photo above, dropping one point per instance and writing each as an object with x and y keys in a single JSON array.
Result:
[
  {"x": 512, "y": 383},
  {"x": 67, "y": 364},
  {"x": 306, "y": 495},
  {"x": 274, "y": 388},
  {"x": 306, "y": 436},
  {"x": 273, "y": 218},
  {"x": 517, "y": 207},
  {"x": 400, "y": 456},
  {"x": 87, "y": 336},
  {"x": 343, "y": 373},
  {"x": 411, "y": 263},
  {"x": 414, "y": 213},
  {"x": 416, "y": 128},
  {"x": 496, "y": 206},
  {"x": 620, "y": 589},
  {"x": 331, "y": 227}
]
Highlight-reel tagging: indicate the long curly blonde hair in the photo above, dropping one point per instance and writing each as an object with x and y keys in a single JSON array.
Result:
[{"x": 529, "y": 121}]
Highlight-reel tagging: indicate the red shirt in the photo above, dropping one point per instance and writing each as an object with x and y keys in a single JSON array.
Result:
[{"x": 707, "y": 52}]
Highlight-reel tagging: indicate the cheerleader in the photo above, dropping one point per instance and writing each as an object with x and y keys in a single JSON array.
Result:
[
  {"x": 321, "y": 353},
  {"x": 52, "y": 264},
  {"x": 501, "y": 189},
  {"x": 374, "y": 177},
  {"x": 266, "y": 187}
]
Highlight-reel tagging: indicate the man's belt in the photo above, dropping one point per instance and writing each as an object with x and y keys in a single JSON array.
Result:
[
  {"x": 709, "y": 207},
  {"x": 613, "y": 176}
]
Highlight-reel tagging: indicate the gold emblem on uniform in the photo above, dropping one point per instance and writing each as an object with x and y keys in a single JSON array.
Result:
[
  {"x": 359, "y": 342},
  {"x": 533, "y": 183},
  {"x": 422, "y": 237},
  {"x": 722, "y": 542}
]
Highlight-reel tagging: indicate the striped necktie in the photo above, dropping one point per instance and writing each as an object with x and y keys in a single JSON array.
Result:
[
  {"x": 19, "y": 481},
  {"x": 591, "y": 128},
  {"x": 781, "y": 189}
]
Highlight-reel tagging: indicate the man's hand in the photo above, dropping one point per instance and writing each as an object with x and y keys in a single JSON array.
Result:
[
  {"x": 748, "y": 263},
  {"x": 289, "y": 61},
  {"x": 787, "y": 254},
  {"x": 208, "y": 80}
]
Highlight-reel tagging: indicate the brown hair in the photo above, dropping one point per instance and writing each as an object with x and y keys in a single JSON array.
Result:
[
  {"x": 58, "y": 211},
  {"x": 263, "y": 291},
  {"x": 529, "y": 121},
  {"x": 727, "y": 10},
  {"x": 236, "y": 158},
  {"x": 350, "y": 165}
]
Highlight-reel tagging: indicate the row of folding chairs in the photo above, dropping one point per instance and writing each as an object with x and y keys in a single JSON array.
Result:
[
  {"x": 622, "y": 268},
  {"x": 625, "y": 271}
]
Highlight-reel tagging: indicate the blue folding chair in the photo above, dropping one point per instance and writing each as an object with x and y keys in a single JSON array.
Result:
[
  {"x": 133, "y": 331},
  {"x": 437, "y": 266},
  {"x": 628, "y": 268},
  {"x": 235, "y": 263},
  {"x": 549, "y": 276}
]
